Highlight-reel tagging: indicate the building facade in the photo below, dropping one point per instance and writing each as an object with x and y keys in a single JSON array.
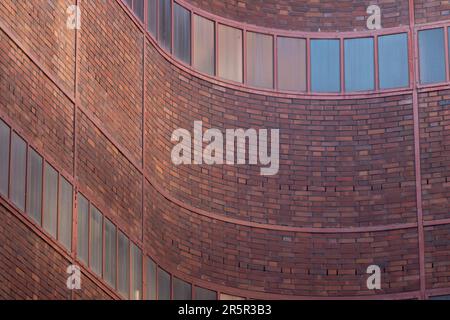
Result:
[{"x": 91, "y": 93}]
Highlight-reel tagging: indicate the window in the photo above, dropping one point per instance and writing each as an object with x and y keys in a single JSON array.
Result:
[
  {"x": 34, "y": 185},
  {"x": 124, "y": 265},
  {"x": 18, "y": 171},
  {"x": 230, "y": 53},
  {"x": 182, "y": 33},
  {"x": 432, "y": 56},
  {"x": 110, "y": 253},
  {"x": 150, "y": 279},
  {"x": 393, "y": 61},
  {"x": 65, "y": 213},
  {"x": 204, "y": 294},
  {"x": 129, "y": 3},
  {"x": 4, "y": 158},
  {"x": 291, "y": 64},
  {"x": 163, "y": 285},
  {"x": 50, "y": 213},
  {"x": 136, "y": 272},
  {"x": 204, "y": 46},
  {"x": 165, "y": 24},
  {"x": 181, "y": 290},
  {"x": 96, "y": 238},
  {"x": 138, "y": 8},
  {"x": 83, "y": 229},
  {"x": 259, "y": 60},
  {"x": 325, "y": 65},
  {"x": 359, "y": 64},
  {"x": 152, "y": 15}
]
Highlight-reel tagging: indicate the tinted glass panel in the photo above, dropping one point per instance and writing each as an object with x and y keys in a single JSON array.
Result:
[
  {"x": 181, "y": 290},
  {"x": 150, "y": 279},
  {"x": 165, "y": 24},
  {"x": 124, "y": 265},
  {"x": 50, "y": 212},
  {"x": 4, "y": 157},
  {"x": 129, "y": 2},
  {"x": 136, "y": 272},
  {"x": 393, "y": 61},
  {"x": 359, "y": 64},
  {"x": 204, "y": 294},
  {"x": 230, "y": 53},
  {"x": 182, "y": 33},
  {"x": 204, "y": 55},
  {"x": 152, "y": 16},
  {"x": 259, "y": 60},
  {"x": 18, "y": 171},
  {"x": 163, "y": 285},
  {"x": 83, "y": 229},
  {"x": 96, "y": 238},
  {"x": 432, "y": 56},
  {"x": 65, "y": 213},
  {"x": 292, "y": 64},
  {"x": 325, "y": 65},
  {"x": 139, "y": 9},
  {"x": 110, "y": 253},
  {"x": 34, "y": 185}
]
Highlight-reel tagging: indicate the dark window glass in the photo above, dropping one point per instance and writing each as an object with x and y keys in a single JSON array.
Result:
[
  {"x": 393, "y": 61},
  {"x": 440, "y": 298},
  {"x": 181, "y": 290},
  {"x": 204, "y": 45},
  {"x": 18, "y": 171},
  {"x": 432, "y": 56},
  {"x": 34, "y": 185},
  {"x": 152, "y": 17},
  {"x": 136, "y": 272},
  {"x": 124, "y": 265},
  {"x": 182, "y": 33},
  {"x": 96, "y": 241},
  {"x": 83, "y": 229},
  {"x": 204, "y": 294},
  {"x": 230, "y": 53},
  {"x": 4, "y": 158},
  {"x": 138, "y": 9},
  {"x": 65, "y": 213},
  {"x": 150, "y": 279},
  {"x": 291, "y": 64},
  {"x": 359, "y": 64},
  {"x": 259, "y": 60},
  {"x": 165, "y": 24},
  {"x": 110, "y": 253},
  {"x": 325, "y": 65},
  {"x": 50, "y": 211},
  {"x": 163, "y": 285}
]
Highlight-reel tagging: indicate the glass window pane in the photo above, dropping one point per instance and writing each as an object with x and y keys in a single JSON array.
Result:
[
  {"x": 4, "y": 158},
  {"x": 230, "y": 53},
  {"x": 204, "y": 294},
  {"x": 124, "y": 265},
  {"x": 432, "y": 56},
  {"x": 110, "y": 253},
  {"x": 129, "y": 3},
  {"x": 96, "y": 244},
  {"x": 291, "y": 64},
  {"x": 138, "y": 9},
  {"x": 150, "y": 279},
  {"x": 136, "y": 272},
  {"x": 393, "y": 61},
  {"x": 163, "y": 285},
  {"x": 359, "y": 64},
  {"x": 165, "y": 24},
  {"x": 181, "y": 290},
  {"x": 325, "y": 65},
  {"x": 259, "y": 60},
  {"x": 18, "y": 171},
  {"x": 50, "y": 212},
  {"x": 65, "y": 213},
  {"x": 34, "y": 185},
  {"x": 83, "y": 229},
  {"x": 152, "y": 17},
  {"x": 204, "y": 46},
  {"x": 182, "y": 33}
]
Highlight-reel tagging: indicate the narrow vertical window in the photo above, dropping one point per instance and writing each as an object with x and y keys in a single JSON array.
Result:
[
  {"x": 259, "y": 60},
  {"x": 165, "y": 24},
  {"x": 163, "y": 285},
  {"x": 152, "y": 17},
  {"x": 359, "y": 64},
  {"x": 50, "y": 212},
  {"x": 432, "y": 56},
  {"x": 5, "y": 134},
  {"x": 325, "y": 65},
  {"x": 230, "y": 53},
  {"x": 18, "y": 171},
  {"x": 96, "y": 241},
  {"x": 34, "y": 186},
  {"x": 182, "y": 33},
  {"x": 65, "y": 213},
  {"x": 124, "y": 265},
  {"x": 110, "y": 253},
  {"x": 181, "y": 290},
  {"x": 393, "y": 61},
  {"x": 136, "y": 272},
  {"x": 138, "y": 9},
  {"x": 291, "y": 64},
  {"x": 204, "y": 294},
  {"x": 150, "y": 279},
  {"x": 204, "y": 45},
  {"x": 83, "y": 229}
]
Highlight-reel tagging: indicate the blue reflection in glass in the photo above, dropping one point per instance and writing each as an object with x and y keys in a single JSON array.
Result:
[
  {"x": 359, "y": 64},
  {"x": 393, "y": 61},
  {"x": 432, "y": 56},
  {"x": 325, "y": 65}
]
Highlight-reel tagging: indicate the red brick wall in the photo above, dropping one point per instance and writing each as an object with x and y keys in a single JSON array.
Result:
[
  {"x": 437, "y": 255},
  {"x": 431, "y": 10}
]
